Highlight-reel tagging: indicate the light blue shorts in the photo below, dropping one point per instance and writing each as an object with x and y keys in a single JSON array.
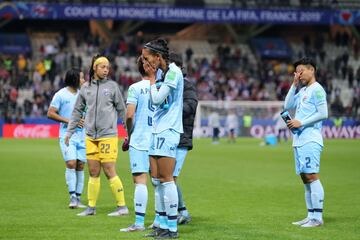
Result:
[
  {"x": 164, "y": 144},
  {"x": 307, "y": 158},
  {"x": 180, "y": 159},
  {"x": 139, "y": 160},
  {"x": 76, "y": 149}
]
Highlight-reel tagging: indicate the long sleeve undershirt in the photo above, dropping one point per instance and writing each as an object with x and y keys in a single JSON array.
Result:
[
  {"x": 290, "y": 99},
  {"x": 158, "y": 96},
  {"x": 321, "y": 114}
]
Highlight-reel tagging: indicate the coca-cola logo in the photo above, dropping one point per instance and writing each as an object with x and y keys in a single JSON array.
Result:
[{"x": 37, "y": 131}]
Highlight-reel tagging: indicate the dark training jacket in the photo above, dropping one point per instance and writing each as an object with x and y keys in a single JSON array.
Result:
[{"x": 189, "y": 110}]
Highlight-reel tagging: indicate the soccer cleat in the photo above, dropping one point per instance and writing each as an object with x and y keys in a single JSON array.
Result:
[
  {"x": 88, "y": 212},
  {"x": 313, "y": 223},
  {"x": 183, "y": 219},
  {"x": 133, "y": 228},
  {"x": 156, "y": 232},
  {"x": 167, "y": 235},
  {"x": 120, "y": 211},
  {"x": 301, "y": 222},
  {"x": 152, "y": 226},
  {"x": 73, "y": 202},
  {"x": 79, "y": 204}
]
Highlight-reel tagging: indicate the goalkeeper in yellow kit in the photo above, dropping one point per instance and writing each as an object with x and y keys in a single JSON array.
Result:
[{"x": 104, "y": 101}]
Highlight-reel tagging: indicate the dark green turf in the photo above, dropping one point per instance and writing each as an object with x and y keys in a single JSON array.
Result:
[{"x": 239, "y": 191}]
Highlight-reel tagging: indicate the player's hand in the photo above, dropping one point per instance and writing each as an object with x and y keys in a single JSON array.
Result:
[
  {"x": 81, "y": 123},
  {"x": 125, "y": 145},
  {"x": 296, "y": 78},
  {"x": 150, "y": 70},
  {"x": 67, "y": 140},
  {"x": 293, "y": 123}
]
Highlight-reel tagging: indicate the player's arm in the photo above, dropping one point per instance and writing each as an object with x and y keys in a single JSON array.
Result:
[
  {"x": 120, "y": 104},
  {"x": 321, "y": 114},
  {"x": 291, "y": 97},
  {"x": 76, "y": 116},
  {"x": 157, "y": 96},
  {"x": 52, "y": 113},
  {"x": 129, "y": 118},
  {"x": 54, "y": 109}
]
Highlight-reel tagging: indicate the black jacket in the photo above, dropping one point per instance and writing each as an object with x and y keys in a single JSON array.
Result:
[{"x": 189, "y": 110}]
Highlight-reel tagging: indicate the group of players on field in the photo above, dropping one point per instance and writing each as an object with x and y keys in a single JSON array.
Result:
[{"x": 159, "y": 118}]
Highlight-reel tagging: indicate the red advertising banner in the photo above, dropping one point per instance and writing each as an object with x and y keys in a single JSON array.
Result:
[
  {"x": 39, "y": 131},
  {"x": 30, "y": 130}
]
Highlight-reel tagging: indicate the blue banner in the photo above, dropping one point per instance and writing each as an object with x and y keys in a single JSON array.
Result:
[
  {"x": 272, "y": 47},
  {"x": 119, "y": 12}
]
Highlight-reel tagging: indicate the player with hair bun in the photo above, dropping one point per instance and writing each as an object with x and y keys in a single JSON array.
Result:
[{"x": 167, "y": 127}]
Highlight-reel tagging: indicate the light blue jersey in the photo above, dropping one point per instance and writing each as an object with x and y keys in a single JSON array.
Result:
[
  {"x": 139, "y": 95},
  {"x": 64, "y": 102},
  {"x": 307, "y": 101},
  {"x": 171, "y": 117}
]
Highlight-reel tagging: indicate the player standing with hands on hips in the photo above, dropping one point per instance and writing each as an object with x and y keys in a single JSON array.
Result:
[
  {"x": 103, "y": 100},
  {"x": 310, "y": 109}
]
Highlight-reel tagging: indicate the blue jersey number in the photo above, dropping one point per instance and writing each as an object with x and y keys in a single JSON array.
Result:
[
  {"x": 307, "y": 164},
  {"x": 152, "y": 109},
  {"x": 160, "y": 142}
]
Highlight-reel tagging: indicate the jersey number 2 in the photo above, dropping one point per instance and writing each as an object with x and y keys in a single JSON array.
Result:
[{"x": 307, "y": 164}]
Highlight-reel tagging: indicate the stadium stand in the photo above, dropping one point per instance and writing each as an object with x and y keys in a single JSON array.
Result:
[{"x": 222, "y": 68}]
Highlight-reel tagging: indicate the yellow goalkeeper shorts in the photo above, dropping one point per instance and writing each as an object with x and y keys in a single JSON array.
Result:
[{"x": 102, "y": 149}]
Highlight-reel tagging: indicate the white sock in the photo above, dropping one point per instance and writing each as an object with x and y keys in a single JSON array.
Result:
[
  {"x": 171, "y": 204},
  {"x": 79, "y": 183},
  {"x": 140, "y": 202},
  {"x": 308, "y": 202},
  {"x": 317, "y": 198},
  {"x": 70, "y": 177}
]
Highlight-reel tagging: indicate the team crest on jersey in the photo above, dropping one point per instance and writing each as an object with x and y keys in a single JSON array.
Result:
[
  {"x": 106, "y": 92},
  {"x": 304, "y": 98}
]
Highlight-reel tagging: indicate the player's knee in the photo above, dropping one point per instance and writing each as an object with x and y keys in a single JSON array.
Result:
[
  {"x": 309, "y": 178},
  {"x": 79, "y": 166},
  {"x": 155, "y": 181},
  {"x": 71, "y": 164},
  {"x": 110, "y": 172},
  {"x": 140, "y": 178},
  {"x": 94, "y": 172}
]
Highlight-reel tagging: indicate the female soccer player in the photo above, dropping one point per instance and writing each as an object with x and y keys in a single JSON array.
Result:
[
  {"x": 167, "y": 127},
  {"x": 60, "y": 110},
  {"x": 311, "y": 109},
  {"x": 139, "y": 114},
  {"x": 103, "y": 100}
]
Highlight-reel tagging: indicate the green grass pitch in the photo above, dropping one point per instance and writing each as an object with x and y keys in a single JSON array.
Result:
[{"x": 233, "y": 191}]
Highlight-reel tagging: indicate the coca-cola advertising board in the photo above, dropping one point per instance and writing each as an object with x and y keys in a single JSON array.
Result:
[
  {"x": 39, "y": 131},
  {"x": 31, "y": 131}
]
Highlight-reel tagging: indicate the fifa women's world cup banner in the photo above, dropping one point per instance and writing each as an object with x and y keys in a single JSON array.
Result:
[{"x": 22, "y": 10}]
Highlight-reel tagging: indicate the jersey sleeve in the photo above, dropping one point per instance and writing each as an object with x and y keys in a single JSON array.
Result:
[
  {"x": 171, "y": 78},
  {"x": 319, "y": 96},
  {"x": 132, "y": 97},
  {"x": 56, "y": 101}
]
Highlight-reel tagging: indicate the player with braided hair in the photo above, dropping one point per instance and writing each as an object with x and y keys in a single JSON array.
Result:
[{"x": 167, "y": 127}]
